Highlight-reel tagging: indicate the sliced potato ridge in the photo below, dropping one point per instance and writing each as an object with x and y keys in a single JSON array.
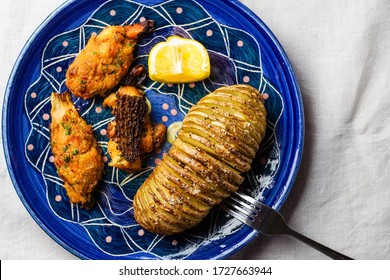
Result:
[
  {"x": 221, "y": 128},
  {"x": 228, "y": 120},
  {"x": 220, "y": 135},
  {"x": 225, "y": 171}
]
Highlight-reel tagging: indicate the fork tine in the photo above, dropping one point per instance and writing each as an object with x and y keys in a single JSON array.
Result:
[
  {"x": 249, "y": 200},
  {"x": 246, "y": 209},
  {"x": 239, "y": 209},
  {"x": 247, "y": 206},
  {"x": 231, "y": 210}
]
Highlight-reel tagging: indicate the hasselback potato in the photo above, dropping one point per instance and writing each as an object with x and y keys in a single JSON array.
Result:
[{"x": 219, "y": 138}]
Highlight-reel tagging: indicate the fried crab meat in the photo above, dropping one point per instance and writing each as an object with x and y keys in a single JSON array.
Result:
[
  {"x": 77, "y": 156},
  {"x": 105, "y": 60}
]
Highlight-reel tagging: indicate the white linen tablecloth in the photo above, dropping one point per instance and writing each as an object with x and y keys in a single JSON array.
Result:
[{"x": 340, "y": 52}]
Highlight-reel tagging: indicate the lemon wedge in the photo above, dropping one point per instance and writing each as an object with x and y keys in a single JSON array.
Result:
[{"x": 178, "y": 60}]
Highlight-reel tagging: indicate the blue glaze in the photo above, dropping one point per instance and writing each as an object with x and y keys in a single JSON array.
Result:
[{"x": 242, "y": 50}]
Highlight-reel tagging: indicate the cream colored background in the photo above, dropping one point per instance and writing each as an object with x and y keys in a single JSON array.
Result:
[{"x": 340, "y": 52}]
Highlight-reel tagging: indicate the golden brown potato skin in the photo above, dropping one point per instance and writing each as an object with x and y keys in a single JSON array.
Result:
[
  {"x": 104, "y": 61},
  {"x": 219, "y": 138},
  {"x": 77, "y": 156}
]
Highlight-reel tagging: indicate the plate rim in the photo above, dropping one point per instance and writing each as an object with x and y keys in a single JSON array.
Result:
[{"x": 237, "y": 5}]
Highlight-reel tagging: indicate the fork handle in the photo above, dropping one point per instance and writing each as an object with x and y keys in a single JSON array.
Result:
[{"x": 321, "y": 248}]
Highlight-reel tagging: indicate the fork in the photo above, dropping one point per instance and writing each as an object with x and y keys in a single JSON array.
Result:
[{"x": 268, "y": 221}]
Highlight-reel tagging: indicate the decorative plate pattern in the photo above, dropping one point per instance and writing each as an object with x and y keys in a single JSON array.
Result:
[{"x": 109, "y": 229}]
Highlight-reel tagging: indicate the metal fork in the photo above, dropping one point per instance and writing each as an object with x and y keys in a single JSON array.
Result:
[{"x": 268, "y": 221}]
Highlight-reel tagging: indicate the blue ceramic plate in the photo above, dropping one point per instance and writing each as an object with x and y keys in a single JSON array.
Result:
[{"x": 242, "y": 50}]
